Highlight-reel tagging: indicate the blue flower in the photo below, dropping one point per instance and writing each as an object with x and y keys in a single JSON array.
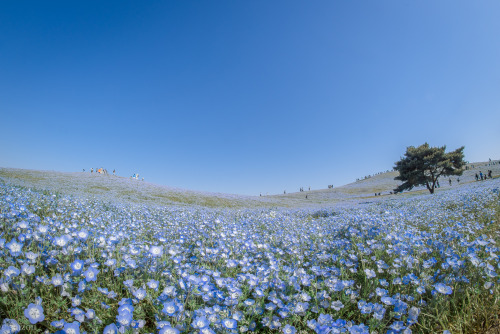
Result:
[
  {"x": 200, "y": 322},
  {"x": 11, "y": 272},
  {"x": 110, "y": 329},
  {"x": 289, "y": 329},
  {"x": 124, "y": 318},
  {"x": 169, "y": 330},
  {"x": 153, "y": 284},
  {"x": 91, "y": 274},
  {"x": 59, "y": 324},
  {"x": 140, "y": 294},
  {"x": 229, "y": 323},
  {"x": 12, "y": 324},
  {"x": 72, "y": 328},
  {"x": 5, "y": 329},
  {"x": 444, "y": 289},
  {"x": 170, "y": 308},
  {"x": 77, "y": 267},
  {"x": 156, "y": 251},
  {"x": 26, "y": 269},
  {"x": 57, "y": 280},
  {"x": 14, "y": 248},
  {"x": 34, "y": 313}
]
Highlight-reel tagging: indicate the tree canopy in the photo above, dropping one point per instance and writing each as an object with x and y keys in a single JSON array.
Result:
[{"x": 423, "y": 165}]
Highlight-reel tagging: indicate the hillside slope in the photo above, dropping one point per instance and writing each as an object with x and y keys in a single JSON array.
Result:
[{"x": 116, "y": 188}]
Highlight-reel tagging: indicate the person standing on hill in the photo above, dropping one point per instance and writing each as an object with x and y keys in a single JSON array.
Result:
[
  {"x": 449, "y": 180},
  {"x": 477, "y": 177},
  {"x": 481, "y": 175},
  {"x": 91, "y": 170}
]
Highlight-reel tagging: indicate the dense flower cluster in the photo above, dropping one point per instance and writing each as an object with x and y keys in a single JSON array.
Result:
[{"x": 72, "y": 265}]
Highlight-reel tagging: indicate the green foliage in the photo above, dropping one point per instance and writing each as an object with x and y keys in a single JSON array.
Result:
[{"x": 423, "y": 165}]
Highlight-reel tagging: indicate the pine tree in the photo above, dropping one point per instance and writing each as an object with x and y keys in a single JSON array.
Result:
[{"x": 423, "y": 165}]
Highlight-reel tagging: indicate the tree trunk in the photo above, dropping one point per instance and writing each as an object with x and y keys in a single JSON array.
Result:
[{"x": 431, "y": 189}]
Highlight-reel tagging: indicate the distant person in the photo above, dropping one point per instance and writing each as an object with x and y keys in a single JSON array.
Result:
[
  {"x": 306, "y": 196},
  {"x": 449, "y": 180},
  {"x": 458, "y": 180},
  {"x": 477, "y": 177},
  {"x": 84, "y": 170},
  {"x": 481, "y": 175},
  {"x": 91, "y": 170},
  {"x": 438, "y": 184},
  {"x": 114, "y": 171},
  {"x": 489, "y": 174}
]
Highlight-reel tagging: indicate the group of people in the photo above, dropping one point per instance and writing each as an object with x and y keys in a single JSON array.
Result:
[
  {"x": 100, "y": 171},
  {"x": 482, "y": 176},
  {"x": 369, "y": 176}
]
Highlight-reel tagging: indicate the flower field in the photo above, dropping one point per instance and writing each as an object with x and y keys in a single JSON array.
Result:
[{"x": 411, "y": 264}]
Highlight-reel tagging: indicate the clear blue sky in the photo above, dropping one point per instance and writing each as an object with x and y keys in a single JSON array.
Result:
[{"x": 246, "y": 96}]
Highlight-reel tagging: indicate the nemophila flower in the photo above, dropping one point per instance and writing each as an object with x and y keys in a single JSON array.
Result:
[
  {"x": 12, "y": 324},
  {"x": 129, "y": 283},
  {"x": 14, "y": 247},
  {"x": 140, "y": 293},
  {"x": 208, "y": 330},
  {"x": 31, "y": 256},
  {"x": 59, "y": 324},
  {"x": 27, "y": 269},
  {"x": 156, "y": 251},
  {"x": 77, "y": 266},
  {"x": 301, "y": 308},
  {"x": 169, "y": 330},
  {"x": 34, "y": 313},
  {"x": 5, "y": 329},
  {"x": 42, "y": 229},
  {"x": 387, "y": 300},
  {"x": 337, "y": 305},
  {"x": 170, "y": 308},
  {"x": 62, "y": 241},
  {"x": 91, "y": 274},
  {"x": 76, "y": 301},
  {"x": 229, "y": 323},
  {"x": 82, "y": 286},
  {"x": 90, "y": 314},
  {"x": 249, "y": 302},
  {"x": 110, "y": 329},
  {"x": 110, "y": 262},
  {"x": 57, "y": 280},
  {"x": 200, "y": 322},
  {"x": 370, "y": 273},
  {"x": 126, "y": 306},
  {"x": 83, "y": 234},
  {"x": 398, "y": 326},
  {"x": 124, "y": 318},
  {"x": 384, "y": 282},
  {"x": 11, "y": 272},
  {"x": 153, "y": 284},
  {"x": 359, "y": 329},
  {"x": 444, "y": 289},
  {"x": 78, "y": 313},
  {"x": 137, "y": 324},
  {"x": 72, "y": 328},
  {"x": 162, "y": 323}
]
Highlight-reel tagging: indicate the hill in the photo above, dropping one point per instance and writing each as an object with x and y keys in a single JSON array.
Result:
[{"x": 116, "y": 188}]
